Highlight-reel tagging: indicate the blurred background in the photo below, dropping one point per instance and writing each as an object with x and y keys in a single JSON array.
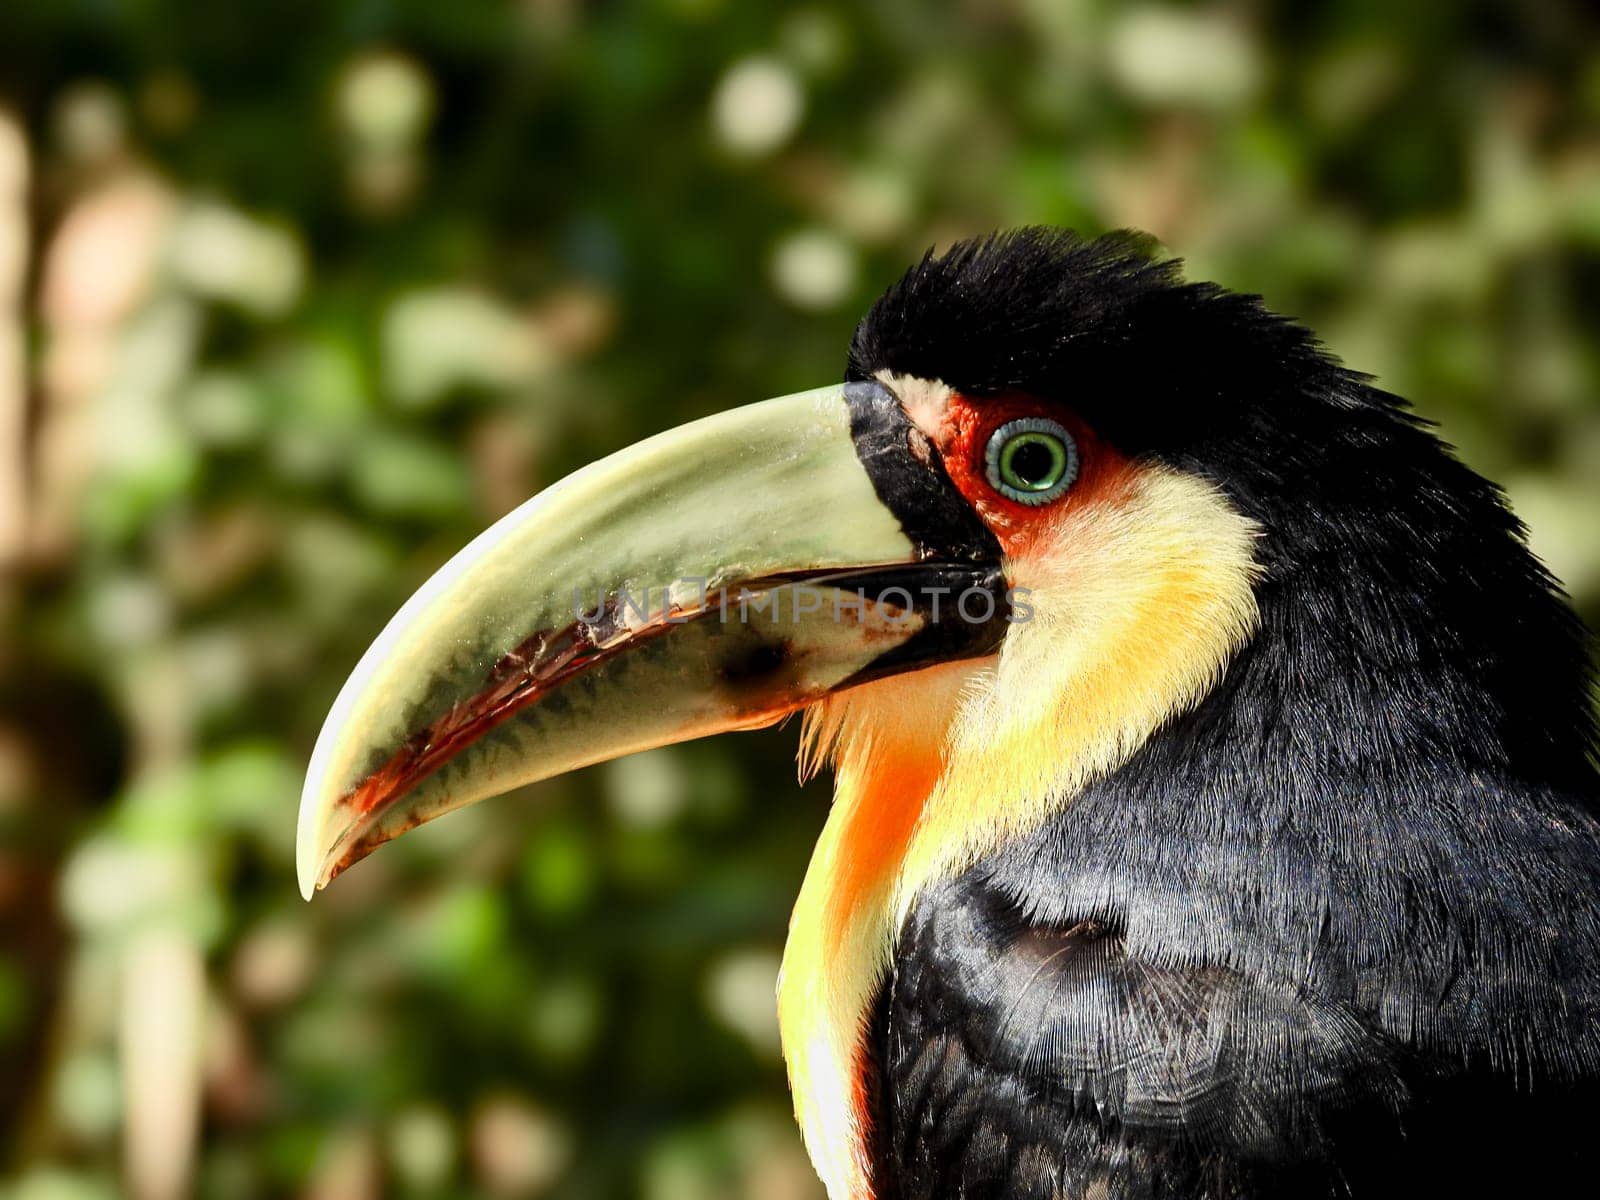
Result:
[{"x": 296, "y": 295}]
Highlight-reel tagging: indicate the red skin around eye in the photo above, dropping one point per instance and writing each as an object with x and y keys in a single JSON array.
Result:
[{"x": 964, "y": 439}]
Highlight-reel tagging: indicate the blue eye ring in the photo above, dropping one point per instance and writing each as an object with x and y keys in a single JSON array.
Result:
[{"x": 1032, "y": 460}]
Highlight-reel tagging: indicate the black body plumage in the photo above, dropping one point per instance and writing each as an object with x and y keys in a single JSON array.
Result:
[{"x": 1336, "y": 931}]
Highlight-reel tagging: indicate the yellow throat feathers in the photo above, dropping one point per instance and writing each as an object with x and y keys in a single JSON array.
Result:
[{"x": 1137, "y": 601}]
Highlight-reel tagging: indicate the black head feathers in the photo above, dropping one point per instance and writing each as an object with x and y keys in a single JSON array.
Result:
[{"x": 1101, "y": 324}]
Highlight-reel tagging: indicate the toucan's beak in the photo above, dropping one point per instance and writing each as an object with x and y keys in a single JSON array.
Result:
[{"x": 714, "y": 577}]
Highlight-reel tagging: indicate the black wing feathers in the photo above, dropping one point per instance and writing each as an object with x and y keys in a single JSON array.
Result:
[{"x": 1015, "y": 1061}]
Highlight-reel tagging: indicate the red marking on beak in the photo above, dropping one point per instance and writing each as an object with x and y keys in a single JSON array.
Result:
[{"x": 527, "y": 673}]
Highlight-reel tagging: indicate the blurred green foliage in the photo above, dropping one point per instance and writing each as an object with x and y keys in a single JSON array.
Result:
[{"x": 308, "y": 291}]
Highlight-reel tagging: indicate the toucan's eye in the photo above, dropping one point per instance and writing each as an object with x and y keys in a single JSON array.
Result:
[{"x": 1031, "y": 460}]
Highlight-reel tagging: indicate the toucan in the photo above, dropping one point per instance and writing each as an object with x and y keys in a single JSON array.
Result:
[{"x": 1216, "y": 811}]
